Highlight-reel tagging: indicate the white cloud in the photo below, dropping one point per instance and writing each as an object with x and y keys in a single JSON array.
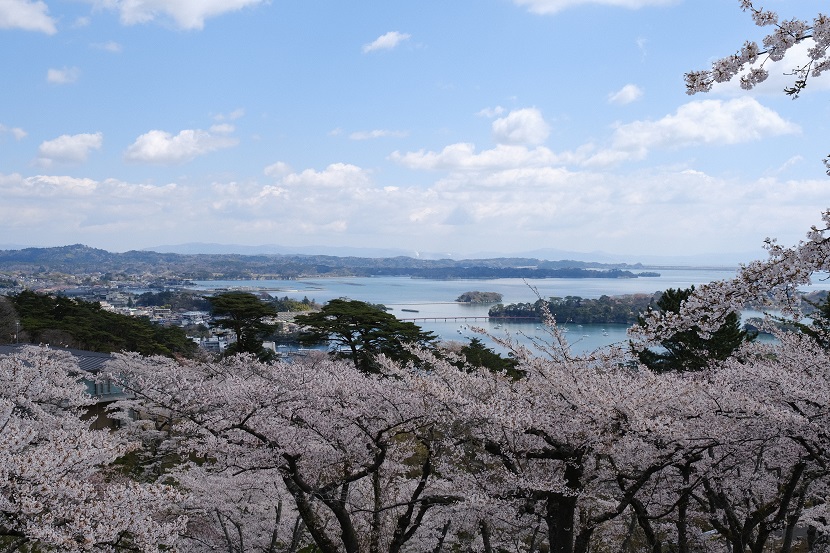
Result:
[
  {"x": 66, "y": 75},
  {"x": 652, "y": 211},
  {"x": 232, "y": 116},
  {"x": 491, "y": 112},
  {"x": 59, "y": 209},
  {"x": 278, "y": 169},
  {"x": 336, "y": 175},
  {"x": 523, "y": 126},
  {"x": 377, "y": 133},
  {"x": 186, "y": 14},
  {"x": 16, "y": 132},
  {"x": 26, "y": 15},
  {"x": 697, "y": 123},
  {"x": 386, "y": 41},
  {"x": 554, "y": 6},
  {"x": 463, "y": 157},
  {"x": 110, "y": 46},
  {"x": 68, "y": 148},
  {"x": 222, "y": 128},
  {"x": 163, "y": 148},
  {"x": 627, "y": 94}
]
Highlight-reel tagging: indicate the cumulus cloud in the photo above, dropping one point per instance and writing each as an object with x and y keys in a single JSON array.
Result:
[
  {"x": 43, "y": 209},
  {"x": 463, "y": 157},
  {"x": 16, "y": 132},
  {"x": 166, "y": 149},
  {"x": 65, "y": 75},
  {"x": 336, "y": 175},
  {"x": 627, "y": 94},
  {"x": 696, "y": 123},
  {"x": 522, "y": 126},
  {"x": 26, "y": 15},
  {"x": 186, "y": 14},
  {"x": 386, "y": 41},
  {"x": 341, "y": 204},
  {"x": 491, "y": 112},
  {"x": 555, "y": 6},
  {"x": 377, "y": 133},
  {"x": 278, "y": 169},
  {"x": 74, "y": 148}
]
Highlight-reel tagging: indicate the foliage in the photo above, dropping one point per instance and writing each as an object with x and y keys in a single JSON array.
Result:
[
  {"x": 477, "y": 355},
  {"x": 361, "y": 332},
  {"x": 479, "y": 297},
  {"x": 84, "y": 325},
  {"x": 178, "y": 300},
  {"x": 581, "y": 451},
  {"x": 287, "y": 304},
  {"x": 350, "y": 459},
  {"x": 8, "y": 321},
  {"x": 57, "y": 492},
  {"x": 244, "y": 314},
  {"x": 574, "y": 309},
  {"x": 687, "y": 350}
]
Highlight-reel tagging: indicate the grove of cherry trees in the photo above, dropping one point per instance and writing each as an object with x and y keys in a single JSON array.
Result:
[{"x": 581, "y": 453}]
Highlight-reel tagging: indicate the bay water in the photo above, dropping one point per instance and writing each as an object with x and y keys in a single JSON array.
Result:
[{"x": 431, "y": 303}]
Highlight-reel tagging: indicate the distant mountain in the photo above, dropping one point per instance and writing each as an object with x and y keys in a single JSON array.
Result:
[
  {"x": 732, "y": 259},
  {"x": 84, "y": 260},
  {"x": 274, "y": 249},
  {"x": 546, "y": 254}
]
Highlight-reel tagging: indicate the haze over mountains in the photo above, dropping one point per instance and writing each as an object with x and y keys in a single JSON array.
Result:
[{"x": 732, "y": 259}]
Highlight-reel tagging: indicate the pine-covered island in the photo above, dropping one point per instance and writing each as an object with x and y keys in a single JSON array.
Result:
[{"x": 479, "y": 297}]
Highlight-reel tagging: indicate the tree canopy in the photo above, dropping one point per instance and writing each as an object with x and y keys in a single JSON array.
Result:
[
  {"x": 75, "y": 323},
  {"x": 687, "y": 350},
  {"x": 244, "y": 314},
  {"x": 476, "y": 354},
  {"x": 361, "y": 331}
]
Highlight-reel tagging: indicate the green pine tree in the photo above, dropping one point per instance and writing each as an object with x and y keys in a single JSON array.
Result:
[{"x": 687, "y": 350}]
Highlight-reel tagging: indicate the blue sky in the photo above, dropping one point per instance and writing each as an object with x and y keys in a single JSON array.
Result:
[{"x": 454, "y": 127}]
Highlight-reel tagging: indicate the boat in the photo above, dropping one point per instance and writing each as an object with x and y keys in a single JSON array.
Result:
[{"x": 410, "y": 310}]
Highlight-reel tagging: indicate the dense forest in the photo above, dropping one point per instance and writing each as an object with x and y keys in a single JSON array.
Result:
[
  {"x": 66, "y": 322},
  {"x": 574, "y": 309}
]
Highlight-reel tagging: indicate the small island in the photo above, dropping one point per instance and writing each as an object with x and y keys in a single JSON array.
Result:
[{"x": 479, "y": 297}]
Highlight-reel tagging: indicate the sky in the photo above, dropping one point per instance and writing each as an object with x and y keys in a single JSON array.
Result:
[{"x": 456, "y": 128}]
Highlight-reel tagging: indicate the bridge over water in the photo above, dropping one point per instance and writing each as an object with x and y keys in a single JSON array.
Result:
[{"x": 467, "y": 318}]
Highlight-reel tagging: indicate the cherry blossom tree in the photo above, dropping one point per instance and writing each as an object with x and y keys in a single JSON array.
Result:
[
  {"x": 354, "y": 456},
  {"x": 58, "y": 489}
]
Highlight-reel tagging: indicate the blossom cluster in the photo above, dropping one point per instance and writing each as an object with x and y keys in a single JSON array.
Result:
[{"x": 776, "y": 44}]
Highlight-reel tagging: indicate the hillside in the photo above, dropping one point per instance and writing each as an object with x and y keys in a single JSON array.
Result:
[{"x": 83, "y": 260}]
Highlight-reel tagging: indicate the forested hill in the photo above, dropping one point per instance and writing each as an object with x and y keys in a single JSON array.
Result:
[{"x": 79, "y": 259}]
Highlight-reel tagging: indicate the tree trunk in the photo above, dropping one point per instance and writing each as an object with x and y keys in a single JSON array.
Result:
[{"x": 559, "y": 517}]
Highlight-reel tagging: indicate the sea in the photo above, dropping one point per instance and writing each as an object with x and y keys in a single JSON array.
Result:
[{"x": 431, "y": 303}]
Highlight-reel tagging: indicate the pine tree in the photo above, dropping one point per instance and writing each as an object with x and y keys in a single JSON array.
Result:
[{"x": 687, "y": 350}]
